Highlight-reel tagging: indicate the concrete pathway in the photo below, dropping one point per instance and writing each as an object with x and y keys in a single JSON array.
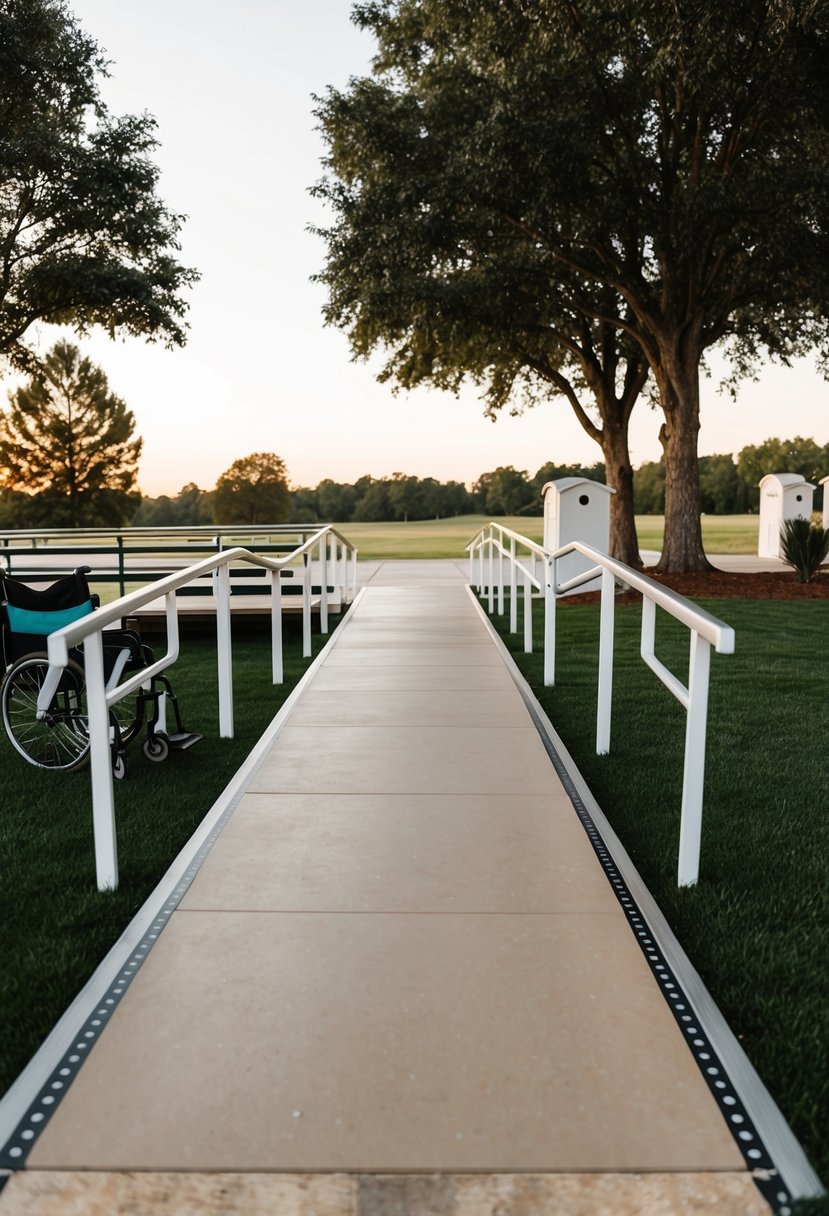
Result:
[{"x": 400, "y": 983}]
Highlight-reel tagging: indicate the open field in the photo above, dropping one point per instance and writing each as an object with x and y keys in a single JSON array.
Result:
[
  {"x": 755, "y": 926},
  {"x": 449, "y": 537}
]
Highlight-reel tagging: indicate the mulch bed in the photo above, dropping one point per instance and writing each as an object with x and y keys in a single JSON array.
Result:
[{"x": 726, "y": 584}]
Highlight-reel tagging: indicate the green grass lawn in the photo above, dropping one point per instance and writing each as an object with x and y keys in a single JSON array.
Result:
[
  {"x": 720, "y": 533},
  {"x": 757, "y": 925},
  {"x": 449, "y": 537},
  {"x": 56, "y": 925}
]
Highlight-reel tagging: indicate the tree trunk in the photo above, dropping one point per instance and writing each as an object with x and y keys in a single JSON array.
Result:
[
  {"x": 682, "y": 550},
  {"x": 624, "y": 543},
  {"x": 612, "y": 436}
]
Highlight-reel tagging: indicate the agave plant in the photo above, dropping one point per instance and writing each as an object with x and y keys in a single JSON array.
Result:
[{"x": 804, "y": 546}]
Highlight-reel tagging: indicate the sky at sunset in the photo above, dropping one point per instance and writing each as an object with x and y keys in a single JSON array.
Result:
[{"x": 230, "y": 86}]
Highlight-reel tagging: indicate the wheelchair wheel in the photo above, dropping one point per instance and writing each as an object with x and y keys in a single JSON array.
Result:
[
  {"x": 60, "y": 740},
  {"x": 157, "y": 748}
]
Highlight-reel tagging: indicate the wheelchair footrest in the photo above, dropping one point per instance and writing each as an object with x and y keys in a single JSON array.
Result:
[{"x": 180, "y": 741}]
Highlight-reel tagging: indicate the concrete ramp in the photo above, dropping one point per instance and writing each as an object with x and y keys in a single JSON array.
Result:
[{"x": 401, "y": 965}]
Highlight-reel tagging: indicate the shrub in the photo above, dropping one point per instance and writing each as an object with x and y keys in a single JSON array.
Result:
[{"x": 804, "y": 546}]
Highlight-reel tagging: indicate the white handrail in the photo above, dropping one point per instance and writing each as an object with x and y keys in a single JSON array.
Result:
[
  {"x": 207, "y": 531},
  {"x": 88, "y": 631},
  {"x": 705, "y": 631}
]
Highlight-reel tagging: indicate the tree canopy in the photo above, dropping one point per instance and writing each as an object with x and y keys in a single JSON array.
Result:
[
  {"x": 84, "y": 237},
  {"x": 798, "y": 455},
  {"x": 68, "y": 446},
  {"x": 422, "y": 265},
  {"x": 191, "y": 505},
  {"x": 254, "y": 490},
  {"x": 652, "y": 176}
]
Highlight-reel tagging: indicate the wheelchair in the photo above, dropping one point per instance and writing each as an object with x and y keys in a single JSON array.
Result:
[{"x": 59, "y": 739}]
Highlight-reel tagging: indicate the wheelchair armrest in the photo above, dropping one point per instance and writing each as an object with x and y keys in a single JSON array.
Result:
[{"x": 124, "y": 639}]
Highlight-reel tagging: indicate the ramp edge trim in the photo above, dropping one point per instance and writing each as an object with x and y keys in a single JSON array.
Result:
[{"x": 783, "y": 1159}]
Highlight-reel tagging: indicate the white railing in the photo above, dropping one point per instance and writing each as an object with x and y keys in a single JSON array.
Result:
[
  {"x": 336, "y": 560},
  {"x": 139, "y": 555},
  {"x": 534, "y": 569}
]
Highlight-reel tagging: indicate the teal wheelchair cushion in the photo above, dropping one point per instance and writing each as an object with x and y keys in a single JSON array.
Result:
[{"x": 25, "y": 620}]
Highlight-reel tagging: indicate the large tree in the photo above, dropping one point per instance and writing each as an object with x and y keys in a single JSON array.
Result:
[
  {"x": 506, "y": 491},
  {"x": 421, "y": 263},
  {"x": 84, "y": 237},
  {"x": 651, "y": 170},
  {"x": 254, "y": 490},
  {"x": 798, "y": 455},
  {"x": 69, "y": 443}
]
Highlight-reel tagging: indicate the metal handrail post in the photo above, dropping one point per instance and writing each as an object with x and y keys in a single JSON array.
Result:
[
  {"x": 225, "y": 663},
  {"x": 323, "y": 552},
  {"x": 491, "y": 583},
  {"x": 100, "y": 761},
  {"x": 549, "y": 621},
  {"x": 528, "y": 614},
  {"x": 690, "y": 823},
  {"x": 605, "y": 692},
  {"x": 122, "y": 584},
  {"x": 332, "y": 559},
  {"x": 513, "y": 588},
  {"x": 277, "y": 667},
  {"x": 306, "y": 605}
]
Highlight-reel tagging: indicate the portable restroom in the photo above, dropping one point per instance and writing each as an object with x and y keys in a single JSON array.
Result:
[
  {"x": 782, "y": 496},
  {"x": 576, "y": 509}
]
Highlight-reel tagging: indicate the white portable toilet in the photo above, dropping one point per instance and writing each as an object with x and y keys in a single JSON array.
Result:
[
  {"x": 782, "y": 496},
  {"x": 576, "y": 509}
]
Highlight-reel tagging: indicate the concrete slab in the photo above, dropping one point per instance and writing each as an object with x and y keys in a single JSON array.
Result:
[
  {"x": 402, "y": 853},
  {"x": 421, "y": 573},
  {"x": 402, "y": 677},
  {"x": 309, "y": 1042},
  {"x": 318, "y": 707},
  {"x": 472, "y": 654},
  {"x": 398, "y": 639},
  {"x": 405, "y": 760},
  {"x": 456, "y": 627}
]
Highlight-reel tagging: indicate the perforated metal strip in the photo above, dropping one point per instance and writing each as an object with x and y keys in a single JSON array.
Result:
[
  {"x": 17, "y": 1148},
  {"x": 745, "y": 1133}
]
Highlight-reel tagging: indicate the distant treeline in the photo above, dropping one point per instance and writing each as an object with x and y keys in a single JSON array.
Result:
[
  {"x": 728, "y": 487},
  {"x": 504, "y": 491}
]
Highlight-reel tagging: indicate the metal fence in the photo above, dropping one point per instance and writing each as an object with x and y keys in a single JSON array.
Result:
[{"x": 129, "y": 555}]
